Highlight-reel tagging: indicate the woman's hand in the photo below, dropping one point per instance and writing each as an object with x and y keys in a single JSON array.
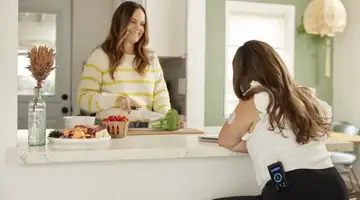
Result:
[
  {"x": 182, "y": 124},
  {"x": 126, "y": 103}
]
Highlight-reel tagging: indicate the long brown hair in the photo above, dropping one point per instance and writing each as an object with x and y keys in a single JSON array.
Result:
[
  {"x": 113, "y": 45},
  {"x": 289, "y": 104}
]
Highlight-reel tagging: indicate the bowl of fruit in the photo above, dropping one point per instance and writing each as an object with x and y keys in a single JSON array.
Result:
[{"x": 117, "y": 126}]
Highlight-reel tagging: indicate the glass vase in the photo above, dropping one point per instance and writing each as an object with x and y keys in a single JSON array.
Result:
[{"x": 37, "y": 120}]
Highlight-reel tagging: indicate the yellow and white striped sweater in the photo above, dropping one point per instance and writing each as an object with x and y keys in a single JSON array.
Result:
[{"x": 98, "y": 92}]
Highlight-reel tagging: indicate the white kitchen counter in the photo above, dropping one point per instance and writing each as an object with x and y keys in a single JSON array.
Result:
[
  {"x": 129, "y": 148},
  {"x": 175, "y": 167}
]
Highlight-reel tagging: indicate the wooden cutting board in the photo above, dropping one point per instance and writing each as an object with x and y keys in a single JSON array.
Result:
[{"x": 149, "y": 131}]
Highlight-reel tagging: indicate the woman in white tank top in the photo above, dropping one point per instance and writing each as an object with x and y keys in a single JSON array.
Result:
[{"x": 277, "y": 120}]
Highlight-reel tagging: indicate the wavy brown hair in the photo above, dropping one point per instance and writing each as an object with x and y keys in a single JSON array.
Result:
[
  {"x": 290, "y": 105},
  {"x": 113, "y": 45}
]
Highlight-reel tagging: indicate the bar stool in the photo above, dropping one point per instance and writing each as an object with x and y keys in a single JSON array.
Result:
[{"x": 344, "y": 160}]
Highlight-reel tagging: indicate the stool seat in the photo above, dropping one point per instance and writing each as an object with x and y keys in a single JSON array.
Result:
[{"x": 340, "y": 158}]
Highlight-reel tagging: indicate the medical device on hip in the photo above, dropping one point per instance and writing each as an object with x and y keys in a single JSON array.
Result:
[{"x": 278, "y": 176}]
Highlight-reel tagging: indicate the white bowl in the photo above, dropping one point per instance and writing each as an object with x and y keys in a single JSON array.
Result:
[{"x": 71, "y": 121}]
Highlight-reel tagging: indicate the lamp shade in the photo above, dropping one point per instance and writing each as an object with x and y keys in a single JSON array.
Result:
[{"x": 325, "y": 17}]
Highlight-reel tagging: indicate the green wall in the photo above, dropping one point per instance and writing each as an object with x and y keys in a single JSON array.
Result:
[{"x": 309, "y": 60}]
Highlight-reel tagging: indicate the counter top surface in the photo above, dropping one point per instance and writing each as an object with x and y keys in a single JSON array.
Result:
[{"x": 128, "y": 148}]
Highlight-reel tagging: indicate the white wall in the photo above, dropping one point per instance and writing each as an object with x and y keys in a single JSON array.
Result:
[
  {"x": 347, "y": 68},
  {"x": 8, "y": 85},
  {"x": 346, "y": 75}
]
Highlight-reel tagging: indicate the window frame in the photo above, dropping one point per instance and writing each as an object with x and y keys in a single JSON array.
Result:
[{"x": 288, "y": 13}]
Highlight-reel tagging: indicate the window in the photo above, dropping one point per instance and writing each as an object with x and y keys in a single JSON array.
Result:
[
  {"x": 271, "y": 23},
  {"x": 35, "y": 29}
]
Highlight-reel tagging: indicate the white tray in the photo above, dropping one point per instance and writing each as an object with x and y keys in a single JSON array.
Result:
[{"x": 78, "y": 141}]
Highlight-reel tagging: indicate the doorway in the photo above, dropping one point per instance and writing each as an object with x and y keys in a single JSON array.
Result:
[{"x": 45, "y": 23}]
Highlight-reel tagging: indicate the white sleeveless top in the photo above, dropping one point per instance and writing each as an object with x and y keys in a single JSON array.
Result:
[{"x": 266, "y": 147}]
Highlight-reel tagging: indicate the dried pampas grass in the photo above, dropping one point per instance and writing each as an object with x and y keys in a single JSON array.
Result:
[{"x": 42, "y": 60}]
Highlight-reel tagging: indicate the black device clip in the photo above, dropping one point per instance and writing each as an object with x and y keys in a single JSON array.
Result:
[{"x": 278, "y": 176}]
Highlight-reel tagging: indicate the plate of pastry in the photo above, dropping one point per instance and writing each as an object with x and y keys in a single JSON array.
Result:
[{"x": 80, "y": 134}]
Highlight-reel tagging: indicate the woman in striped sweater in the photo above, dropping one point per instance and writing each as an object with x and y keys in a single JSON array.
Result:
[{"x": 122, "y": 72}]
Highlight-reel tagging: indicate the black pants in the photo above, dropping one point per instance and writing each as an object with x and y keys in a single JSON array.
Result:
[{"x": 305, "y": 184}]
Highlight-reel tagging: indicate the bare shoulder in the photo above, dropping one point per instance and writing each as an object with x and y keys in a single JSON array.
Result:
[
  {"x": 246, "y": 111},
  {"x": 246, "y": 106},
  {"x": 238, "y": 124}
]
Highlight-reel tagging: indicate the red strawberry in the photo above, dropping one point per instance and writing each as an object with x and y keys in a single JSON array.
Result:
[{"x": 118, "y": 118}]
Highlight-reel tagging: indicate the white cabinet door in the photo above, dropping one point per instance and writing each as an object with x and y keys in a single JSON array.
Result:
[
  {"x": 45, "y": 22},
  {"x": 167, "y": 27}
]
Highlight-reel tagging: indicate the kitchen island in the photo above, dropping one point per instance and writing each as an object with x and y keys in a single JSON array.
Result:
[{"x": 160, "y": 167}]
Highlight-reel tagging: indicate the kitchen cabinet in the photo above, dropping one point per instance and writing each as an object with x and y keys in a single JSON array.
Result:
[{"x": 167, "y": 26}]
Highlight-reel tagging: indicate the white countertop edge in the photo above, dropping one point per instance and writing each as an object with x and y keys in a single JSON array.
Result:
[
  {"x": 14, "y": 157},
  {"x": 132, "y": 148}
]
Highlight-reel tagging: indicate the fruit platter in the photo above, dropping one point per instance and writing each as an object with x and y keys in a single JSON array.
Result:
[{"x": 80, "y": 134}]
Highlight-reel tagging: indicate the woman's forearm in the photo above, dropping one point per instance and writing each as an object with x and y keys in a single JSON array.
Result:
[
  {"x": 240, "y": 147},
  {"x": 93, "y": 101}
]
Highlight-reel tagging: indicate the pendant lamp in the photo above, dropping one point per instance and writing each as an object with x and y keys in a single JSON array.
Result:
[{"x": 325, "y": 18}]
